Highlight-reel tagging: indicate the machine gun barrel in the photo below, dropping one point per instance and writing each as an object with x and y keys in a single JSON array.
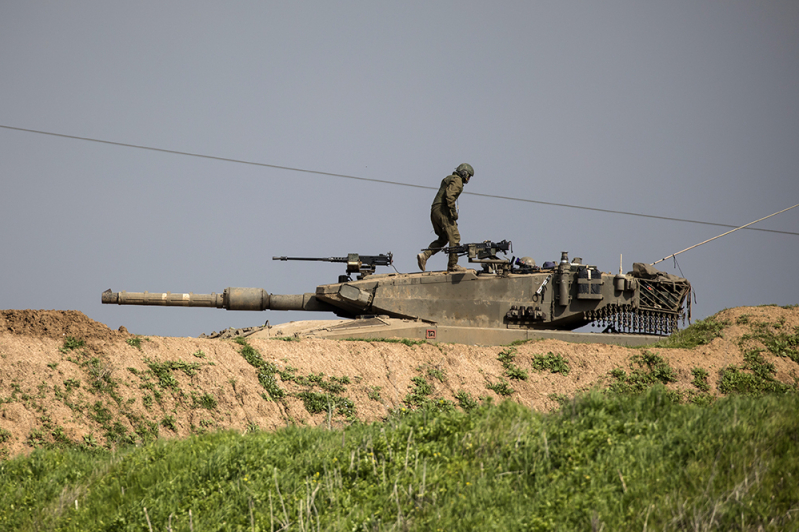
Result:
[
  {"x": 316, "y": 259},
  {"x": 377, "y": 260},
  {"x": 363, "y": 265}
]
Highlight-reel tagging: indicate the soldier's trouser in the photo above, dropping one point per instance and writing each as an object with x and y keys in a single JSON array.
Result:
[{"x": 447, "y": 232}]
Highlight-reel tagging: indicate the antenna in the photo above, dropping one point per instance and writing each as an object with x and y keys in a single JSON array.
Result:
[{"x": 723, "y": 234}]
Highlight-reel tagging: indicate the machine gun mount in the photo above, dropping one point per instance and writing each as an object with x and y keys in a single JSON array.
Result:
[{"x": 484, "y": 253}]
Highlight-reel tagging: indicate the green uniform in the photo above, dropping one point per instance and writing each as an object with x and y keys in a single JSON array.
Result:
[{"x": 444, "y": 215}]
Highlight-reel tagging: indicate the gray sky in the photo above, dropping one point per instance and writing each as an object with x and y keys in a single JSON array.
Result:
[{"x": 679, "y": 109}]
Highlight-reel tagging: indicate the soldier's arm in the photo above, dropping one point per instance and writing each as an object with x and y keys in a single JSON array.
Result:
[{"x": 454, "y": 190}]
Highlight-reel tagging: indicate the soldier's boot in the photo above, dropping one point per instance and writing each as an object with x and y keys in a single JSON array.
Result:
[
  {"x": 421, "y": 260},
  {"x": 452, "y": 264}
]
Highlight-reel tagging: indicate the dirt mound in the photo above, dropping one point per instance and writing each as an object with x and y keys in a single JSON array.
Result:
[
  {"x": 116, "y": 388},
  {"x": 741, "y": 319},
  {"x": 56, "y": 324}
]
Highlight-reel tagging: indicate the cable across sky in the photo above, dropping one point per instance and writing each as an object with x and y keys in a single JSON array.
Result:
[{"x": 385, "y": 181}]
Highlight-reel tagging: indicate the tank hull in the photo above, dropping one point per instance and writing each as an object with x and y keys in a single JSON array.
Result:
[
  {"x": 380, "y": 328},
  {"x": 564, "y": 299}
]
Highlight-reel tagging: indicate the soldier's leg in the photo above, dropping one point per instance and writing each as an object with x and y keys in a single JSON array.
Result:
[
  {"x": 438, "y": 220},
  {"x": 439, "y": 226},
  {"x": 454, "y": 238}
]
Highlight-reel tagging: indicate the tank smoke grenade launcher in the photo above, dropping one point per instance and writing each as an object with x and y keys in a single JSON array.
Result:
[{"x": 505, "y": 294}]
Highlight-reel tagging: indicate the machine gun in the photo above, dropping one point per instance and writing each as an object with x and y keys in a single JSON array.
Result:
[
  {"x": 484, "y": 253},
  {"x": 363, "y": 265}
]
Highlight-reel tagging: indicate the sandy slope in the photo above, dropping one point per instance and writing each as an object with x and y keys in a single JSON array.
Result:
[{"x": 47, "y": 393}]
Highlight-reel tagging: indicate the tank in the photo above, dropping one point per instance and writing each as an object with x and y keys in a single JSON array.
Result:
[{"x": 496, "y": 301}]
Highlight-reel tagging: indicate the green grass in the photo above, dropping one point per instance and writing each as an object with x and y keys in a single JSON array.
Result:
[
  {"x": 517, "y": 343},
  {"x": 466, "y": 401},
  {"x": 700, "y": 332},
  {"x": 266, "y": 370},
  {"x": 512, "y": 371},
  {"x": 501, "y": 388},
  {"x": 163, "y": 371},
  {"x": 373, "y": 392},
  {"x": 775, "y": 338},
  {"x": 647, "y": 369},
  {"x": 700, "y": 379},
  {"x": 71, "y": 343},
  {"x": 169, "y": 422},
  {"x": 134, "y": 342},
  {"x": 419, "y": 392},
  {"x": 554, "y": 363},
  {"x": 205, "y": 400},
  {"x": 754, "y": 377},
  {"x": 328, "y": 400},
  {"x": 604, "y": 462},
  {"x": 437, "y": 373},
  {"x": 316, "y": 403}
]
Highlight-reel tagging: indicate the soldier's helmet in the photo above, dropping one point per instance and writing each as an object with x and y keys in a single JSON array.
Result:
[
  {"x": 465, "y": 171},
  {"x": 526, "y": 262}
]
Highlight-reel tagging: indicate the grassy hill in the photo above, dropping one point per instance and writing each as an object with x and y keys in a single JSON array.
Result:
[
  {"x": 697, "y": 433},
  {"x": 603, "y": 461}
]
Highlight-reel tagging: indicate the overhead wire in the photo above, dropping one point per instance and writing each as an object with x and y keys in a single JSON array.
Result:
[
  {"x": 724, "y": 234},
  {"x": 387, "y": 182}
]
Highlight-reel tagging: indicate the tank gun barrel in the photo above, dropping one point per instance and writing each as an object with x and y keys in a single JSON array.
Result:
[{"x": 229, "y": 299}]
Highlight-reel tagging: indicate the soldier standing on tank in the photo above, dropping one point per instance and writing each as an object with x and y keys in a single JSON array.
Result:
[{"x": 444, "y": 215}]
